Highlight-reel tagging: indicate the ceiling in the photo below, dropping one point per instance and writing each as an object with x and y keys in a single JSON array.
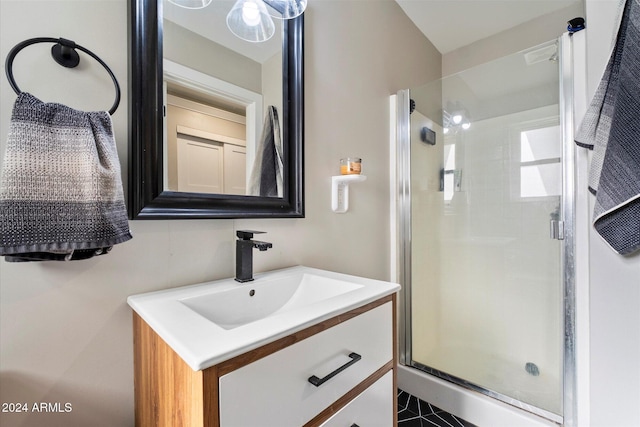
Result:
[{"x": 451, "y": 24}]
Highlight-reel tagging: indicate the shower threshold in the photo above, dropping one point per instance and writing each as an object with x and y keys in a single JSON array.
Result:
[{"x": 490, "y": 393}]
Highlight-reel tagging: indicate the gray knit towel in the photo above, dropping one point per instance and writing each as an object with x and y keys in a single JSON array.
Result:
[
  {"x": 611, "y": 128},
  {"x": 61, "y": 194},
  {"x": 266, "y": 175}
]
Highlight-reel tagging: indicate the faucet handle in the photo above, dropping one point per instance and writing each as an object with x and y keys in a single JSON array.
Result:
[{"x": 247, "y": 234}]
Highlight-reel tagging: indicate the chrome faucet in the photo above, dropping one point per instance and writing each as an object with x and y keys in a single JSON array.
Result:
[{"x": 244, "y": 253}]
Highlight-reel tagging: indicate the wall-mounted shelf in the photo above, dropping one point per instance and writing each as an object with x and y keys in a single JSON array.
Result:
[{"x": 340, "y": 191}]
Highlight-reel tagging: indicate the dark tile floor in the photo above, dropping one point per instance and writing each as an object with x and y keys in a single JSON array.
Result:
[{"x": 413, "y": 412}]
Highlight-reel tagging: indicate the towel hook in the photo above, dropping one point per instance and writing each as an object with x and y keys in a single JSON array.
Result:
[{"x": 64, "y": 53}]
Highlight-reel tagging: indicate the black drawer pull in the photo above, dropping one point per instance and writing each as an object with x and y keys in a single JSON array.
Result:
[
  {"x": 319, "y": 381},
  {"x": 355, "y": 425}
]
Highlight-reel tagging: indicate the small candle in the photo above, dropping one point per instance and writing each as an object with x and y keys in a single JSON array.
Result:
[{"x": 351, "y": 166}]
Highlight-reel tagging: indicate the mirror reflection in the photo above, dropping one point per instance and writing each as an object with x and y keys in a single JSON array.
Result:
[{"x": 223, "y": 105}]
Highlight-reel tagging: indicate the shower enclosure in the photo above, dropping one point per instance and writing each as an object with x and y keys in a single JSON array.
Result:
[{"x": 486, "y": 170}]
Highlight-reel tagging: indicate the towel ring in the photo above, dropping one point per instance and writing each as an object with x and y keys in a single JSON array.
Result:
[{"x": 64, "y": 53}]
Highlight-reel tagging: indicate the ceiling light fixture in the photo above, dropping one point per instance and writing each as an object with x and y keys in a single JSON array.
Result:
[{"x": 249, "y": 20}]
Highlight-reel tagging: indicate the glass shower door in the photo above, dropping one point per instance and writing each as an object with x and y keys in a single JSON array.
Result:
[{"x": 486, "y": 259}]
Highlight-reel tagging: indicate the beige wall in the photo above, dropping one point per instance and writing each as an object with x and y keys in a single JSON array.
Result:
[
  {"x": 65, "y": 329},
  {"x": 186, "y": 48},
  {"x": 272, "y": 86}
]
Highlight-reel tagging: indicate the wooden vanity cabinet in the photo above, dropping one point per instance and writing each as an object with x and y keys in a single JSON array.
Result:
[{"x": 269, "y": 386}]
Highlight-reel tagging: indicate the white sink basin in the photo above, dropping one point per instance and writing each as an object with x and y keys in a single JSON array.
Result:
[
  {"x": 230, "y": 308},
  {"x": 211, "y": 322}
]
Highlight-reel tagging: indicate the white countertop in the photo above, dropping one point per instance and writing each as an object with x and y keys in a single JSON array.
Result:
[{"x": 201, "y": 343}]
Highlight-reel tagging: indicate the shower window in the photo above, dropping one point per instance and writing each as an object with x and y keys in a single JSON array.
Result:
[{"x": 540, "y": 162}]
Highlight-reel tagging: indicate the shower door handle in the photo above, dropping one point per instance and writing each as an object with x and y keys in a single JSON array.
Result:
[{"x": 557, "y": 229}]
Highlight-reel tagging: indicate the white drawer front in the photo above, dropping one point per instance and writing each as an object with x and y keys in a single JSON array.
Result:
[
  {"x": 275, "y": 392},
  {"x": 372, "y": 408}
]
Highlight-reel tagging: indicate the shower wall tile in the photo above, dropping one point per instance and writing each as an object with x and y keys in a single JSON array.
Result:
[{"x": 491, "y": 291}]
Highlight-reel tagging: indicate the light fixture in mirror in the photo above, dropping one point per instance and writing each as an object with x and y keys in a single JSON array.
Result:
[
  {"x": 249, "y": 20},
  {"x": 191, "y": 4}
]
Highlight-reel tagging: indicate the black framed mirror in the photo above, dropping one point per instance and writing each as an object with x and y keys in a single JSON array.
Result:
[{"x": 148, "y": 198}]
